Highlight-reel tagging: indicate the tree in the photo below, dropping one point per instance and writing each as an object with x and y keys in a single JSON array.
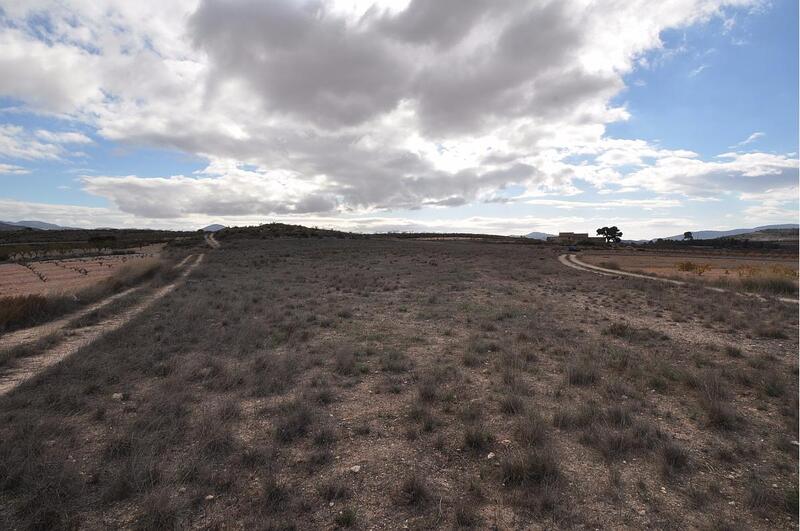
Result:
[
  {"x": 611, "y": 234},
  {"x": 687, "y": 236}
]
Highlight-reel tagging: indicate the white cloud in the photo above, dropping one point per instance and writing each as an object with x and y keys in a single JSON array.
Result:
[
  {"x": 646, "y": 204},
  {"x": 341, "y": 108},
  {"x": 63, "y": 137},
  {"x": 17, "y": 143},
  {"x": 752, "y": 138},
  {"x": 695, "y": 71},
  {"x": 11, "y": 169}
]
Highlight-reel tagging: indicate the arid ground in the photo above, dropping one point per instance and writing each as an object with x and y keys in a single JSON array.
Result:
[
  {"x": 679, "y": 265},
  {"x": 67, "y": 275},
  {"x": 319, "y": 383}
]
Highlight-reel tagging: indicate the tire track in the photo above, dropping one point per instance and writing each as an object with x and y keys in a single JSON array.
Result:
[
  {"x": 28, "y": 335},
  {"x": 572, "y": 261},
  {"x": 29, "y": 367}
]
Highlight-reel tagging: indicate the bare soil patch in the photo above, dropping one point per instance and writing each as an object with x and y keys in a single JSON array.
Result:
[
  {"x": 65, "y": 276},
  {"x": 670, "y": 265}
]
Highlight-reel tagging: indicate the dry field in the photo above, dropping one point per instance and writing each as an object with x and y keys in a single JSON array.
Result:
[
  {"x": 692, "y": 266},
  {"x": 69, "y": 275},
  {"x": 388, "y": 384}
]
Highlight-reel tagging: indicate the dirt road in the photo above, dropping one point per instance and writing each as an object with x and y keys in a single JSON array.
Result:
[
  {"x": 212, "y": 241},
  {"x": 570, "y": 260},
  {"x": 29, "y": 367}
]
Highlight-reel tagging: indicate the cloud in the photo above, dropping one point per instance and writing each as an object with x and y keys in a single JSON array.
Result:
[
  {"x": 17, "y": 143},
  {"x": 64, "y": 137},
  {"x": 695, "y": 71},
  {"x": 752, "y": 138},
  {"x": 10, "y": 169},
  {"x": 318, "y": 107},
  {"x": 646, "y": 204}
]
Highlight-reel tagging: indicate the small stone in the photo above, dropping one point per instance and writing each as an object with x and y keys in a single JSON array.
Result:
[
  {"x": 490, "y": 456},
  {"x": 774, "y": 485},
  {"x": 505, "y": 442},
  {"x": 182, "y": 489},
  {"x": 355, "y": 469},
  {"x": 117, "y": 396},
  {"x": 330, "y": 504},
  {"x": 731, "y": 502},
  {"x": 210, "y": 497},
  {"x": 642, "y": 512}
]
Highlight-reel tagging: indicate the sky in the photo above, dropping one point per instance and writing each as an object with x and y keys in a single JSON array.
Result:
[{"x": 490, "y": 116}]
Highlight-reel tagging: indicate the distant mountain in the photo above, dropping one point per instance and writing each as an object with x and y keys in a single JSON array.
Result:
[
  {"x": 11, "y": 227},
  {"x": 213, "y": 227},
  {"x": 33, "y": 224},
  {"x": 538, "y": 235},
  {"x": 711, "y": 234}
]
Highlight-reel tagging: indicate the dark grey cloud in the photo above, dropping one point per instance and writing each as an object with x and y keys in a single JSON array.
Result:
[
  {"x": 300, "y": 59},
  {"x": 440, "y": 23}
]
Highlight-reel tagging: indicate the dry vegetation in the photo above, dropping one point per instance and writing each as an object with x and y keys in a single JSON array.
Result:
[
  {"x": 322, "y": 383},
  {"x": 18, "y": 311},
  {"x": 762, "y": 272}
]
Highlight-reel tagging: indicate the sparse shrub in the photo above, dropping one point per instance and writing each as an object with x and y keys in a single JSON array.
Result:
[
  {"x": 477, "y": 437},
  {"x": 532, "y": 429},
  {"x": 326, "y": 436},
  {"x": 774, "y": 385},
  {"x": 471, "y": 359},
  {"x": 714, "y": 397},
  {"x": 159, "y": 511},
  {"x": 577, "y": 416},
  {"x": 674, "y": 459},
  {"x": 630, "y": 333},
  {"x": 465, "y": 516},
  {"x": 345, "y": 361},
  {"x": 334, "y": 490},
  {"x": 733, "y": 351},
  {"x": 294, "y": 421},
  {"x": 346, "y": 517},
  {"x": 414, "y": 491},
  {"x": 582, "y": 373},
  {"x": 394, "y": 361},
  {"x": 770, "y": 331},
  {"x": 763, "y": 499},
  {"x": 512, "y": 404},
  {"x": 274, "y": 496},
  {"x": 427, "y": 390},
  {"x": 530, "y": 467}
]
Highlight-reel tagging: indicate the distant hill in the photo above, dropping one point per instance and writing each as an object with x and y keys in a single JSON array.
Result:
[
  {"x": 11, "y": 227},
  {"x": 711, "y": 234},
  {"x": 214, "y": 227},
  {"x": 33, "y": 224},
  {"x": 538, "y": 235},
  {"x": 770, "y": 235}
]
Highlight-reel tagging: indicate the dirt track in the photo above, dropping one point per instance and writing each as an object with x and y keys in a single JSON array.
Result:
[
  {"x": 212, "y": 241},
  {"x": 572, "y": 261},
  {"x": 31, "y": 366}
]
